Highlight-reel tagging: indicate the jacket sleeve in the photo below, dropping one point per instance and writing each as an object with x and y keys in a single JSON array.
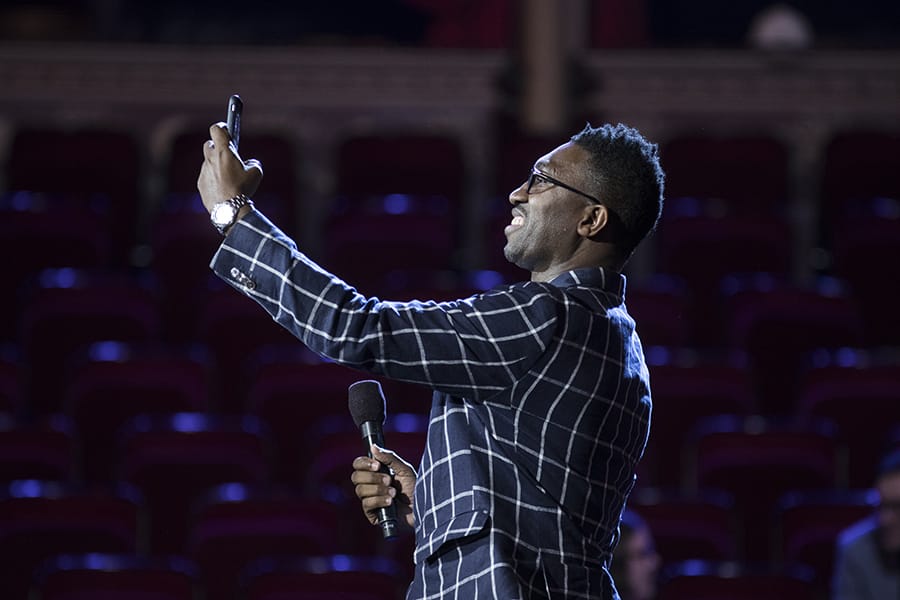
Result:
[{"x": 472, "y": 347}]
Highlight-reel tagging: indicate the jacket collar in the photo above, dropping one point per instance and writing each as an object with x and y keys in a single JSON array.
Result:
[{"x": 599, "y": 277}]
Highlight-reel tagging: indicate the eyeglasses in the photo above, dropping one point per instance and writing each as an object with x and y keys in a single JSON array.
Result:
[{"x": 537, "y": 176}]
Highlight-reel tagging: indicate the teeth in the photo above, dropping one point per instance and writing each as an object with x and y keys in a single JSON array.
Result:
[{"x": 518, "y": 220}]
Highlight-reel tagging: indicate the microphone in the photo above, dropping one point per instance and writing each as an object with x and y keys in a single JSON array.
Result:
[{"x": 367, "y": 408}]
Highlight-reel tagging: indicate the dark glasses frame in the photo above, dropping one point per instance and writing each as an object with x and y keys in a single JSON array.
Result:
[{"x": 539, "y": 176}]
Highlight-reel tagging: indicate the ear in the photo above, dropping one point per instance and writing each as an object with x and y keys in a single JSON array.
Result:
[{"x": 594, "y": 221}]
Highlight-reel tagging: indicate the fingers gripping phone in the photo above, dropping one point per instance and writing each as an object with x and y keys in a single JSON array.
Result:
[{"x": 233, "y": 119}]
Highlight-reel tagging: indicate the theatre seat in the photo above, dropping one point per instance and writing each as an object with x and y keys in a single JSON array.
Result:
[
  {"x": 115, "y": 381},
  {"x": 758, "y": 460},
  {"x": 39, "y": 520},
  {"x": 174, "y": 460},
  {"x": 87, "y": 171},
  {"x": 72, "y": 309},
  {"x": 779, "y": 325},
  {"x": 712, "y": 580},
  {"x": 332, "y": 577},
  {"x": 660, "y": 308},
  {"x": 235, "y": 524},
  {"x": 859, "y": 165},
  {"x": 690, "y": 525},
  {"x": 12, "y": 395},
  {"x": 861, "y": 251},
  {"x": 703, "y": 250},
  {"x": 808, "y": 524},
  {"x": 744, "y": 174},
  {"x": 404, "y": 243},
  {"x": 99, "y": 576},
  {"x": 44, "y": 450},
  {"x": 687, "y": 386},
  {"x": 35, "y": 237},
  {"x": 235, "y": 330}
]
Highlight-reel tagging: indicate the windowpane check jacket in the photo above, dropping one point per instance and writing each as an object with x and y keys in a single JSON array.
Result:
[{"x": 540, "y": 412}]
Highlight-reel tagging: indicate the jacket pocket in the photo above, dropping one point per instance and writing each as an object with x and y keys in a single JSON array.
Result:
[{"x": 463, "y": 525}]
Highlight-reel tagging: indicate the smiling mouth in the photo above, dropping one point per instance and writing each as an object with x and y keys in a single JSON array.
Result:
[{"x": 517, "y": 222}]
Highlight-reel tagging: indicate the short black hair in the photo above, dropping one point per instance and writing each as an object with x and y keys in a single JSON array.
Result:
[
  {"x": 889, "y": 464},
  {"x": 627, "y": 177}
]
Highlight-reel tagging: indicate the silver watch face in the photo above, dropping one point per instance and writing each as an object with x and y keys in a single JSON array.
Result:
[{"x": 223, "y": 214}]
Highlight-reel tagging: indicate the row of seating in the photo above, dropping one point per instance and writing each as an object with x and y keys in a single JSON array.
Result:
[
  {"x": 844, "y": 388},
  {"x": 290, "y": 389},
  {"x": 737, "y": 174},
  {"x": 699, "y": 527},
  {"x": 231, "y": 530},
  {"x": 103, "y": 173},
  {"x": 234, "y": 529},
  {"x": 687, "y": 405},
  {"x": 172, "y": 458},
  {"x": 92, "y": 575},
  {"x": 85, "y": 197},
  {"x": 775, "y": 325},
  {"x": 700, "y": 262},
  {"x": 364, "y": 578}
]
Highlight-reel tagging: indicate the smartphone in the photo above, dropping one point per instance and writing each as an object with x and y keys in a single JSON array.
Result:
[{"x": 233, "y": 119}]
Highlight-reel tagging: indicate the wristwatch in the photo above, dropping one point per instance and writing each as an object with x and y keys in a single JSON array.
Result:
[{"x": 224, "y": 214}]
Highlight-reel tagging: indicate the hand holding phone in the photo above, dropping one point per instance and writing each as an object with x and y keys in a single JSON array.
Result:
[{"x": 233, "y": 119}]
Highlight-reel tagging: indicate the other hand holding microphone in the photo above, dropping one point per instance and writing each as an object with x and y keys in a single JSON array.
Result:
[{"x": 378, "y": 490}]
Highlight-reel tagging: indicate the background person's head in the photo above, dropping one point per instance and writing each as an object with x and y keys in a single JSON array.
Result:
[
  {"x": 626, "y": 176},
  {"x": 887, "y": 484},
  {"x": 635, "y": 563}
]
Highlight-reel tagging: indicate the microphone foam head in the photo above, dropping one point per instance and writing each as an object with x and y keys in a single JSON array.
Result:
[{"x": 366, "y": 402}]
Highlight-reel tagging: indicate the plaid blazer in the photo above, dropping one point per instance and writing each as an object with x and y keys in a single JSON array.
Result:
[{"x": 540, "y": 412}]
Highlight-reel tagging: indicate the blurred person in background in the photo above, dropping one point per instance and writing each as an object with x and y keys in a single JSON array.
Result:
[
  {"x": 635, "y": 563},
  {"x": 867, "y": 561}
]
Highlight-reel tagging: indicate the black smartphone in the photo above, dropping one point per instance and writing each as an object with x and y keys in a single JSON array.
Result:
[{"x": 233, "y": 119}]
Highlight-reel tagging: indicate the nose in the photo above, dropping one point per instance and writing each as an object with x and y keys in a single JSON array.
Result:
[{"x": 519, "y": 195}]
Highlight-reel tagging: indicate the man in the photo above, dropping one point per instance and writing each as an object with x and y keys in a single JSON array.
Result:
[
  {"x": 541, "y": 405},
  {"x": 867, "y": 565}
]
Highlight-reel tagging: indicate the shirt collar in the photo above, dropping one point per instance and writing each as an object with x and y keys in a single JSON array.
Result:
[{"x": 600, "y": 277}]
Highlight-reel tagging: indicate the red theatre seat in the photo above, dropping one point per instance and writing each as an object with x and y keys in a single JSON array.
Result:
[
  {"x": 39, "y": 520},
  {"x": 233, "y": 525},
  {"x": 71, "y": 310},
  {"x": 849, "y": 387},
  {"x": 705, "y": 580},
  {"x": 175, "y": 460},
  {"x": 808, "y": 524},
  {"x": 324, "y": 578},
  {"x": 116, "y": 381},
  {"x": 116, "y": 577},
  {"x": 689, "y": 525},
  {"x": 758, "y": 460}
]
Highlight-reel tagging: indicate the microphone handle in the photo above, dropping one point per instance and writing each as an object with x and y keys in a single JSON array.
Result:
[{"x": 372, "y": 433}]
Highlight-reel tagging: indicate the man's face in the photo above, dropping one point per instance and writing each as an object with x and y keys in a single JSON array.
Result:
[
  {"x": 542, "y": 234},
  {"x": 888, "y": 488}
]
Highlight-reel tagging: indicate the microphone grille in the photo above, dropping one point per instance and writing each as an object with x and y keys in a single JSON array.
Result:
[{"x": 366, "y": 402}]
